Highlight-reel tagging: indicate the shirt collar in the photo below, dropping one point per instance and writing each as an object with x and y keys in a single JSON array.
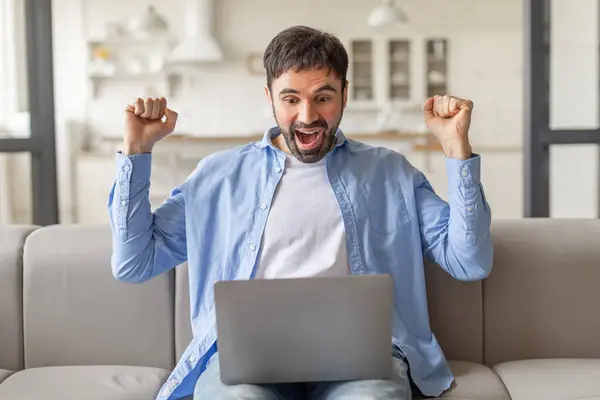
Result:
[{"x": 272, "y": 133}]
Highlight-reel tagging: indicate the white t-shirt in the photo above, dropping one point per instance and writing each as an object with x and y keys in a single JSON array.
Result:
[{"x": 304, "y": 235}]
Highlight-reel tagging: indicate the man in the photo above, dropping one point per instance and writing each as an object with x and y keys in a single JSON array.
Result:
[{"x": 304, "y": 201}]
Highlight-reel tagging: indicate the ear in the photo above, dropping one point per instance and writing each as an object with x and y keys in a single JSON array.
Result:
[
  {"x": 268, "y": 94},
  {"x": 345, "y": 95}
]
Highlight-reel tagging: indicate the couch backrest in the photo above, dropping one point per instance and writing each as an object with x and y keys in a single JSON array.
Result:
[
  {"x": 455, "y": 314},
  {"x": 450, "y": 301},
  {"x": 72, "y": 300},
  {"x": 542, "y": 299},
  {"x": 12, "y": 239},
  {"x": 76, "y": 313}
]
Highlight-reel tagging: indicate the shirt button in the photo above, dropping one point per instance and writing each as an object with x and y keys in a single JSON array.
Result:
[
  {"x": 192, "y": 358},
  {"x": 252, "y": 247},
  {"x": 469, "y": 209},
  {"x": 465, "y": 172},
  {"x": 263, "y": 206},
  {"x": 278, "y": 170},
  {"x": 123, "y": 202}
]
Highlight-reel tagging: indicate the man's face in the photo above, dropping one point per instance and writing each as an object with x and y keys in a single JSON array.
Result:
[{"x": 308, "y": 107}]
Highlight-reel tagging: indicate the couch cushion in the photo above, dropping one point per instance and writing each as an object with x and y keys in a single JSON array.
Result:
[
  {"x": 4, "y": 374},
  {"x": 84, "y": 382},
  {"x": 551, "y": 379},
  {"x": 545, "y": 278},
  {"x": 77, "y": 313},
  {"x": 12, "y": 239},
  {"x": 474, "y": 382}
]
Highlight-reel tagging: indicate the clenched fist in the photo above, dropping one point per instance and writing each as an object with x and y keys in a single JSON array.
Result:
[
  {"x": 449, "y": 119},
  {"x": 144, "y": 125}
]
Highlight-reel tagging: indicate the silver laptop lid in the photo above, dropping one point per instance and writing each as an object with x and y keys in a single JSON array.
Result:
[{"x": 304, "y": 329}]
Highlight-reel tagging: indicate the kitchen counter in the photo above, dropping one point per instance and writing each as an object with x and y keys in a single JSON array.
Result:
[{"x": 182, "y": 138}]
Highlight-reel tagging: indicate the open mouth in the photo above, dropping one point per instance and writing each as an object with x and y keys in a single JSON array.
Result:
[{"x": 309, "y": 139}]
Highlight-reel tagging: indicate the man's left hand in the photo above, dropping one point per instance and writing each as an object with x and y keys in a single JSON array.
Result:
[{"x": 449, "y": 119}]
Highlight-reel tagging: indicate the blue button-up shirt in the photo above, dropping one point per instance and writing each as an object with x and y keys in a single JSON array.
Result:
[{"x": 215, "y": 221}]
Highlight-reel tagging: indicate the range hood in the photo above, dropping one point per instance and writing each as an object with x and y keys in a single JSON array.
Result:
[{"x": 198, "y": 45}]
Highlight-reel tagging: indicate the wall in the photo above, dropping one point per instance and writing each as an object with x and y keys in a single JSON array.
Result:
[
  {"x": 15, "y": 182},
  {"x": 226, "y": 100},
  {"x": 218, "y": 92},
  {"x": 70, "y": 91},
  {"x": 486, "y": 62}
]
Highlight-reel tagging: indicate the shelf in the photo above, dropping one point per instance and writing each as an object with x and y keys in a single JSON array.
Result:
[
  {"x": 161, "y": 79},
  {"x": 131, "y": 41},
  {"x": 130, "y": 77},
  {"x": 110, "y": 60}
]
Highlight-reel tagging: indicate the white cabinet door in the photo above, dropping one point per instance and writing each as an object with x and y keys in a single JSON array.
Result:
[{"x": 363, "y": 72}]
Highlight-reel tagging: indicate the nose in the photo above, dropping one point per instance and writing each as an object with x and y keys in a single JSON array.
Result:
[{"x": 307, "y": 114}]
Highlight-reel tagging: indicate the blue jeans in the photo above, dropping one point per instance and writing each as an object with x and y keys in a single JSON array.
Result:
[{"x": 209, "y": 386}]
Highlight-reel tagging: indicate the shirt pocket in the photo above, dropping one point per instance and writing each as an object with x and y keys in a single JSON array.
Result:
[{"x": 386, "y": 206}]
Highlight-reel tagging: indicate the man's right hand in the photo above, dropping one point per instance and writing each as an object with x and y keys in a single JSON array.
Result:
[{"x": 144, "y": 124}]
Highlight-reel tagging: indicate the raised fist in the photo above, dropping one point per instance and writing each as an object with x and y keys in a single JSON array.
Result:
[
  {"x": 449, "y": 119},
  {"x": 147, "y": 121}
]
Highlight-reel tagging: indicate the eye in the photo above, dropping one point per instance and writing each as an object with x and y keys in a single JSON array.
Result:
[
  {"x": 322, "y": 99},
  {"x": 290, "y": 100}
]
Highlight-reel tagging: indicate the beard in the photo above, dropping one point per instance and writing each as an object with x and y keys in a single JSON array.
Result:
[{"x": 313, "y": 155}]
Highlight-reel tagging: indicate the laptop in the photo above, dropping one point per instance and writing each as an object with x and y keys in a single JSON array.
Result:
[{"x": 304, "y": 329}]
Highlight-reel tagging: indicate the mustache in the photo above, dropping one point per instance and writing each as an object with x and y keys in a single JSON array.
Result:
[{"x": 321, "y": 123}]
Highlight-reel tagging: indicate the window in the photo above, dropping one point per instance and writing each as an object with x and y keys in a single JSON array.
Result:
[
  {"x": 13, "y": 71},
  {"x": 27, "y": 150}
]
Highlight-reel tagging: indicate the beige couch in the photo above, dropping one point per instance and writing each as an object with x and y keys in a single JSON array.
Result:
[{"x": 68, "y": 330}]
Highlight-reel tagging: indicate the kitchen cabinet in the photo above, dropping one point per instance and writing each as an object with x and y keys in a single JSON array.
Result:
[{"x": 396, "y": 71}]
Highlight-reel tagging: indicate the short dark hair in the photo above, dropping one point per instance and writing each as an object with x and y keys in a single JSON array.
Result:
[{"x": 300, "y": 48}]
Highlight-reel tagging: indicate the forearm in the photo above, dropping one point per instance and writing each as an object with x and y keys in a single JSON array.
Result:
[
  {"x": 469, "y": 240},
  {"x": 456, "y": 234},
  {"x": 144, "y": 244},
  {"x": 459, "y": 149}
]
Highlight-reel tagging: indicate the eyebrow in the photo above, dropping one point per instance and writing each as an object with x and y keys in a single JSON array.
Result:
[
  {"x": 294, "y": 91},
  {"x": 288, "y": 91}
]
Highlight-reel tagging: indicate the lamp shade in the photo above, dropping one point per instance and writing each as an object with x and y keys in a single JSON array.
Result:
[
  {"x": 147, "y": 23},
  {"x": 387, "y": 13}
]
